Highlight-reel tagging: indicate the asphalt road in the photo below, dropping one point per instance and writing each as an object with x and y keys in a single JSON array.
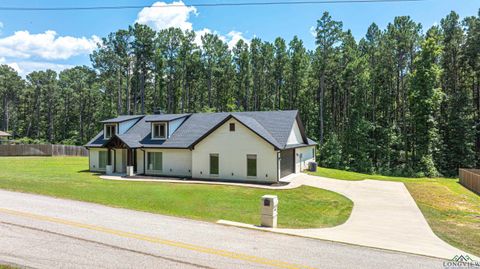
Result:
[{"x": 44, "y": 232}]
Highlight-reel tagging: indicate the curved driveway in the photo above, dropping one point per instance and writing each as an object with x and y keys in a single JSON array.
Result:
[{"x": 384, "y": 216}]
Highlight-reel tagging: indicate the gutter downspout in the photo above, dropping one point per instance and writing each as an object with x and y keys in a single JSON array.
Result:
[{"x": 278, "y": 161}]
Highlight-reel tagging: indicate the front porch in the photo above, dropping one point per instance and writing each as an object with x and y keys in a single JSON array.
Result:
[{"x": 121, "y": 159}]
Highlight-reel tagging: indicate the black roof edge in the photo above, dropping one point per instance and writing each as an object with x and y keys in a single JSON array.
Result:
[
  {"x": 184, "y": 116},
  {"x": 299, "y": 146},
  {"x": 144, "y": 147},
  {"x": 136, "y": 117},
  {"x": 220, "y": 124}
]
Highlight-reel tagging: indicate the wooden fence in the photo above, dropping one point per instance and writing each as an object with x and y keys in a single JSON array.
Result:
[
  {"x": 42, "y": 150},
  {"x": 470, "y": 178}
]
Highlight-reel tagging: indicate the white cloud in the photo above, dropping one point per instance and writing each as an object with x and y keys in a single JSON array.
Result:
[
  {"x": 313, "y": 31},
  {"x": 204, "y": 31},
  {"x": 25, "y": 67},
  {"x": 12, "y": 65},
  {"x": 45, "y": 45},
  {"x": 162, "y": 15},
  {"x": 199, "y": 34},
  {"x": 231, "y": 38}
]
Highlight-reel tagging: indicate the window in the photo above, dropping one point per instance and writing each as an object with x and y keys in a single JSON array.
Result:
[
  {"x": 102, "y": 159},
  {"x": 232, "y": 127},
  {"x": 110, "y": 130},
  {"x": 154, "y": 161},
  {"x": 213, "y": 164},
  {"x": 251, "y": 165},
  {"x": 159, "y": 130}
]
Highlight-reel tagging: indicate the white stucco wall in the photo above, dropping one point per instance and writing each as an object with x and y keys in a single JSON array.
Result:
[
  {"x": 94, "y": 159},
  {"x": 175, "y": 162},
  {"x": 232, "y": 148},
  {"x": 303, "y": 157},
  {"x": 295, "y": 136}
]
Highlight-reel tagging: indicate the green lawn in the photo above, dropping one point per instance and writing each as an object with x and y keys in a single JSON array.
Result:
[
  {"x": 2, "y": 266},
  {"x": 66, "y": 177},
  {"x": 452, "y": 211}
]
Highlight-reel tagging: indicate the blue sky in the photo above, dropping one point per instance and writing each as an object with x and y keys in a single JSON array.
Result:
[{"x": 33, "y": 40}]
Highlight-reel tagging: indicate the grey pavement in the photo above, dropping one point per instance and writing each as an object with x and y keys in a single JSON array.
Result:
[{"x": 43, "y": 232}]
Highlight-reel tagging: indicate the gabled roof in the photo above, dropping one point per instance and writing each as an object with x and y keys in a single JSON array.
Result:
[
  {"x": 131, "y": 138},
  {"x": 122, "y": 118},
  {"x": 164, "y": 117},
  {"x": 272, "y": 126},
  {"x": 2, "y": 133}
]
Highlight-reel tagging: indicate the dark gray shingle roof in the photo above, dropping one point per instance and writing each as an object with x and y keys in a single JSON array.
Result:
[
  {"x": 164, "y": 117},
  {"x": 273, "y": 126},
  {"x": 122, "y": 118},
  {"x": 193, "y": 128},
  {"x": 257, "y": 128}
]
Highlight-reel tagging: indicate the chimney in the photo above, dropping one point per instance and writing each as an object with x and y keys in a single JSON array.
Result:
[{"x": 158, "y": 111}]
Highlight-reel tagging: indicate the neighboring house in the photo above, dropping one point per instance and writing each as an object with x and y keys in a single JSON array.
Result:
[
  {"x": 238, "y": 146},
  {"x": 4, "y": 137}
]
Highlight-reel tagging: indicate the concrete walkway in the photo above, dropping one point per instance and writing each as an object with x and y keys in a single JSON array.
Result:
[{"x": 384, "y": 216}]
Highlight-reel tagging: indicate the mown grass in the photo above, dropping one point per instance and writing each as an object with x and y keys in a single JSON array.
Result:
[
  {"x": 66, "y": 177},
  {"x": 452, "y": 211}
]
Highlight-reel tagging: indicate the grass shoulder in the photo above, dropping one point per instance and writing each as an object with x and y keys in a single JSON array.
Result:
[
  {"x": 4, "y": 266},
  {"x": 349, "y": 175},
  {"x": 65, "y": 177}
]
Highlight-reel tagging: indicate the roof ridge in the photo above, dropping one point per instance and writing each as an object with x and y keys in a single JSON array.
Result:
[{"x": 261, "y": 126}]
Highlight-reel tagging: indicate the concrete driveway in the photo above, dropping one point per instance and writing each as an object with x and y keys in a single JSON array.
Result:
[{"x": 384, "y": 216}]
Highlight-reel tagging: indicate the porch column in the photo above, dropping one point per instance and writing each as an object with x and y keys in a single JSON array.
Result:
[
  {"x": 109, "y": 167},
  {"x": 130, "y": 170},
  {"x": 109, "y": 157}
]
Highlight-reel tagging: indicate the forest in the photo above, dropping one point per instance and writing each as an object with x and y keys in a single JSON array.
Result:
[{"x": 400, "y": 101}]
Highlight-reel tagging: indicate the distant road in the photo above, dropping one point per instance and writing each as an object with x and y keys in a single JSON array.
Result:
[{"x": 43, "y": 232}]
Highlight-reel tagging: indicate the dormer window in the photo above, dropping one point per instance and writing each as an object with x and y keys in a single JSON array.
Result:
[
  {"x": 110, "y": 130},
  {"x": 159, "y": 130}
]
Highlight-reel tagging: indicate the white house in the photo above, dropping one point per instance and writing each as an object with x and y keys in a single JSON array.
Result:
[{"x": 237, "y": 146}]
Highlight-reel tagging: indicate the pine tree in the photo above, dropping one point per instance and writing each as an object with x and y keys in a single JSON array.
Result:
[
  {"x": 456, "y": 125},
  {"x": 424, "y": 103}
]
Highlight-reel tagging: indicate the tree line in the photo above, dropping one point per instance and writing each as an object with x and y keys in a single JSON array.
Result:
[{"x": 399, "y": 101}]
